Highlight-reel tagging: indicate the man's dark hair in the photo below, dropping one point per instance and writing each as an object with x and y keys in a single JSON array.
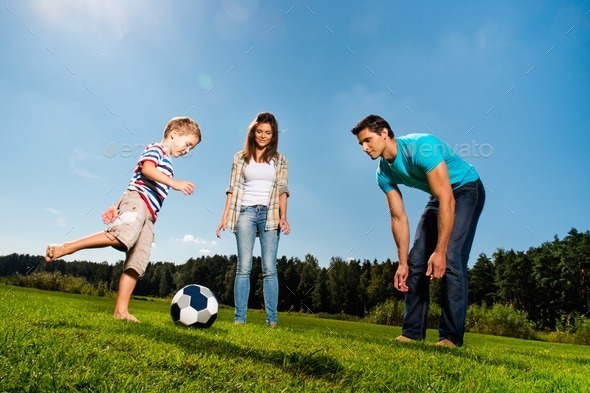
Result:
[{"x": 375, "y": 124}]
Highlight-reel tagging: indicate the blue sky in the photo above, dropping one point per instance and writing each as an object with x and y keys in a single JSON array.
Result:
[{"x": 84, "y": 85}]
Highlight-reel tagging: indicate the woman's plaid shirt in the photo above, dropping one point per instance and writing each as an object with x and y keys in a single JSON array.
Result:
[{"x": 236, "y": 189}]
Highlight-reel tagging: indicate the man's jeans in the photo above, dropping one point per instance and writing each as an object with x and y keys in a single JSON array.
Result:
[
  {"x": 251, "y": 222},
  {"x": 469, "y": 201}
]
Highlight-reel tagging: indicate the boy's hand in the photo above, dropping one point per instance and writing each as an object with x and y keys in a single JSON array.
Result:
[
  {"x": 109, "y": 215},
  {"x": 186, "y": 187}
]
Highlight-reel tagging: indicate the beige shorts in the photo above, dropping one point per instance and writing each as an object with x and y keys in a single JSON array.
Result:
[{"x": 134, "y": 227}]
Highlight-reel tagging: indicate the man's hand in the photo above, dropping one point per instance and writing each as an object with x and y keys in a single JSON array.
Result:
[
  {"x": 437, "y": 265},
  {"x": 399, "y": 280}
]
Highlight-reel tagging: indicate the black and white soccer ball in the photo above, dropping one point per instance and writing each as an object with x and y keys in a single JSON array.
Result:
[{"x": 194, "y": 306}]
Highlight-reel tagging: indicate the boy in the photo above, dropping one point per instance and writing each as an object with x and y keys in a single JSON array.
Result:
[{"x": 132, "y": 218}]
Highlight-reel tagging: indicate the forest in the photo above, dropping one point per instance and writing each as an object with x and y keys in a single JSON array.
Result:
[{"x": 549, "y": 282}]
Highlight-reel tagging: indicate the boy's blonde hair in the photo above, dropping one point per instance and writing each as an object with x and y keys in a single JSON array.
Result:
[{"x": 184, "y": 125}]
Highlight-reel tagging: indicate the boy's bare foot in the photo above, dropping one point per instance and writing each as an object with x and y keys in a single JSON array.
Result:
[
  {"x": 404, "y": 339},
  {"x": 126, "y": 317},
  {"x": 54, "y": 251}
]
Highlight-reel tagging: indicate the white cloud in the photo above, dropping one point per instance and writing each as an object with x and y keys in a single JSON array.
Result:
[
  {"x": 360, "y": 96},
  {"x": 97, "y": 17},
  {"x": 79, "y": 157},
  {"x": 205, "y": 251},
  {"x": 60, "y": 219},
  {"x": 192, "y": 239},
  {"x": 85, "y": 173},
  {"x": 488, "y": 43}
]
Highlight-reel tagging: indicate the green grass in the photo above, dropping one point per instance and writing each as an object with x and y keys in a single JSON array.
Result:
[{"x": 51, "y": 341}]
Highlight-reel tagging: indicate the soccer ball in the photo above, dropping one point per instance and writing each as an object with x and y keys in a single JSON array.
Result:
[{"x": 194, "y": 306}]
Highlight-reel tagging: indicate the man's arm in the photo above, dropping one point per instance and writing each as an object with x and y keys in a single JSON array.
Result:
[
  {"x": 400, "y": 228},
  {"x": 440, "y": 186}
]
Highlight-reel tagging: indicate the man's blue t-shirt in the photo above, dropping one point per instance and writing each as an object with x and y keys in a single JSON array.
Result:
[{"x": 418, "y": 154}]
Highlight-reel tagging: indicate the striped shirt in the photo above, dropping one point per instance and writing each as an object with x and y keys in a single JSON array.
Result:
[
  {"x": 236, "y": 189},
  {"x": 152, "y": 192}
]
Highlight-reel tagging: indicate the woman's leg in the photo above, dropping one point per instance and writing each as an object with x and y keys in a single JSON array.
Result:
[
  {"x": 269, "y": 244},
  {"x": 245, "y": 237}
]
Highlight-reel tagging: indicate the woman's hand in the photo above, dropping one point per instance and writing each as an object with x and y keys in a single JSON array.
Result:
[
  {"x": 284, "y": 226},
  {"x": 221, "y": 227}
]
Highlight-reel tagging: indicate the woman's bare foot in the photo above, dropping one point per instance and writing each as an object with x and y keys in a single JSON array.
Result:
[
  {"x": 54, "y": 251},
  {"x": 126, "y": 317}
]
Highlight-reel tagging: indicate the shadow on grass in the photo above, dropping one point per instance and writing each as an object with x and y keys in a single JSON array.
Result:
[
  {"x": 496, "y": 359},
  {"x": 316, "y": 364}
]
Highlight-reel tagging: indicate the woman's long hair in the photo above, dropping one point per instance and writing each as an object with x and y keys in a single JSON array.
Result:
[{"x": 271, "y": 149}]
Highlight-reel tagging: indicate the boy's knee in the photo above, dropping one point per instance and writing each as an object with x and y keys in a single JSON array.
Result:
[{"x": 132, "y": 273}]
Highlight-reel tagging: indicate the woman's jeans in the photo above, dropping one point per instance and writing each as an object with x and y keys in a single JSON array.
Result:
[
  {"x": 469, "y": 201},
  {"x": 251, "y": 223}
]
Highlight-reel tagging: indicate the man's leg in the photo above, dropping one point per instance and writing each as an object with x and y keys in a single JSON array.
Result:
[
  {"x": 469, "y": 201},
  {"x": 417, "y": 297}
]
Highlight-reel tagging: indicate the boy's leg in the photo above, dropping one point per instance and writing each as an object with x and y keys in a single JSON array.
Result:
[
  {"x": 97, "y": 240},
  {"x": 136, "y": 263},
  {"x": 121, "y": 234},
  {"x": 127, "y": 284}
]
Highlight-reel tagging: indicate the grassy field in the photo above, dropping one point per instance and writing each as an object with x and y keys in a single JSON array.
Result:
[{"x": 51, "y": 341}]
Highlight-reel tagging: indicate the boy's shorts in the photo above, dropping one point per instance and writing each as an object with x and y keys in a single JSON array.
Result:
[{"x": 134, "y": 227}]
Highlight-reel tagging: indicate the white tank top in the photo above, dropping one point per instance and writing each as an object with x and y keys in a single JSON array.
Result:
[{"x": 259, "y": 177}]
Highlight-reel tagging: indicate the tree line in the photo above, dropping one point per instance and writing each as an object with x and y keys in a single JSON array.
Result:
[{"x": 550, "y": 282}]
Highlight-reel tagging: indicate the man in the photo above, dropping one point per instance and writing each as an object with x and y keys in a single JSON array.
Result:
[{"x": 446, "y": 229}]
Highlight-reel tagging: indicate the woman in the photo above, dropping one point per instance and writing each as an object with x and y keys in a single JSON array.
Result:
[{"x": 256, "y": 205}]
